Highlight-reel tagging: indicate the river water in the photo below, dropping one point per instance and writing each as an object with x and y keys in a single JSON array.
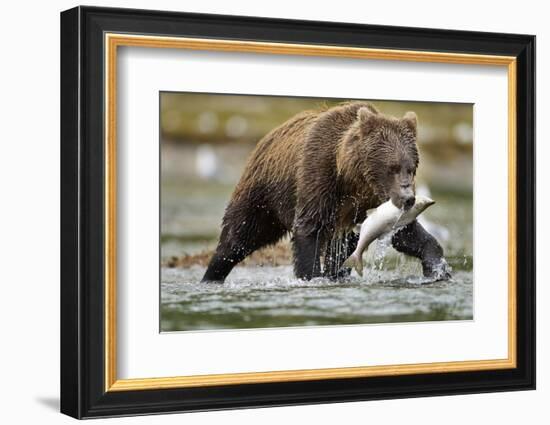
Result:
[{"x": 272, "y": 297}]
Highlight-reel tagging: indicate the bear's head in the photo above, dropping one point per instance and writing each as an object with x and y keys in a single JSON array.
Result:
[{"x": 385, "y": 154}]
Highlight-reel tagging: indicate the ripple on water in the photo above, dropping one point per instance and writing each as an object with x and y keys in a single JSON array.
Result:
[{"x": 272, "y": 297}]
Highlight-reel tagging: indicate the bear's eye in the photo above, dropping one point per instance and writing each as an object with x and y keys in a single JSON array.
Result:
[{"x": 393, "y": 169}]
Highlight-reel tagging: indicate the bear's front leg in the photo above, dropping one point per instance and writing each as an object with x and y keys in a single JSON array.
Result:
[
  {"x": 229, "y": 252},
  {"x": 307, "y": 253},
  {"x": 414, "y": 240}
]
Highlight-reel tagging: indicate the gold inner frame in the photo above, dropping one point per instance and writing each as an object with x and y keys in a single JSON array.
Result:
[{"x": 113, "y": 41}]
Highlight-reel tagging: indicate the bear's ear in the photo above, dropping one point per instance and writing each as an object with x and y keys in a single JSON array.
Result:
[
  {"x": 366, "y": 118},
  {"x": 410, "y": 120}
]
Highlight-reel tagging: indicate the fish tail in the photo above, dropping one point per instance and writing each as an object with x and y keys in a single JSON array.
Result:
[
  {"x": 350, "y": 262},
  {"x": 356, "y": 262}
]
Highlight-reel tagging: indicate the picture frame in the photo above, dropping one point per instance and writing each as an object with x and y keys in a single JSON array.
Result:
[{"x": 90, "y": 40}]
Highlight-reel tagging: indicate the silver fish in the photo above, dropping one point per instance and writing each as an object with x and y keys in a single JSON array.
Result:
[{"x": 386, "y": 218}]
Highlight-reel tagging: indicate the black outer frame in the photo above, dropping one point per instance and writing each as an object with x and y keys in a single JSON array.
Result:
[{"x": 82, "y": 218}]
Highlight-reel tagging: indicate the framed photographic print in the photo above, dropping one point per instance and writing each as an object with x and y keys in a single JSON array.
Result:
[{"x": 261, "y": 212}]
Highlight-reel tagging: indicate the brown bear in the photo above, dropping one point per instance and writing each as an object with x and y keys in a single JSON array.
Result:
[{"x": 315, "y": 177}]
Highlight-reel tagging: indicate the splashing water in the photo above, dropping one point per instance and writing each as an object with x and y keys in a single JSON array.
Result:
[
  {"x": 380, "y": 250},
  {"x": 442, "y": 270},
  {"x": 383, "y": 243}
]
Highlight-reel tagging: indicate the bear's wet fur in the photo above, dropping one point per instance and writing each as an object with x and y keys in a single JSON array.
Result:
[{"x": 314, "y": 177}]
